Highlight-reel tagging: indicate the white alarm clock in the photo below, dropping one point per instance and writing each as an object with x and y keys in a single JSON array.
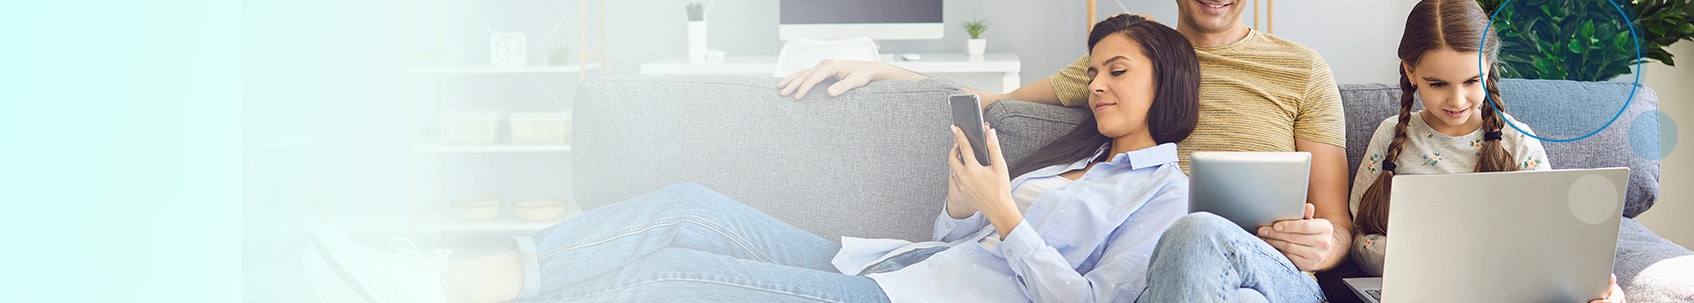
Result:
[{"x": 508, "y": 49}]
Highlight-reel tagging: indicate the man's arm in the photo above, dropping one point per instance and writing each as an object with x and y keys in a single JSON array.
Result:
[
  {"x": 1319, "y": 240},
  {"x": 1067, "y": 87},
  {"x": 1327, "y": 190},
  {"x": 1320, "y": 129},
  {"x": 855, "y": 74},
  {"x": 1038, "y": 91}
]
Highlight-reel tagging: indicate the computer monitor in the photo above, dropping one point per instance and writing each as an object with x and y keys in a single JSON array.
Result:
[{"x": 875, "y": 19}]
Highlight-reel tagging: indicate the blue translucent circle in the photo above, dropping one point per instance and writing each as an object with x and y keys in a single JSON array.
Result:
[
  {"x": 1481, "y": 68},
  {"x": 1652, "y": 134}
]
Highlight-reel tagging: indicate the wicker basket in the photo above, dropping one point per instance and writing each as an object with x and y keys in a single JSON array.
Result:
[
  {"x": 477, "y": 208},
  {"x": 543, "y": 127},
  {"x": 539, "y": 209},
  {"x": 470, "y": 127}
]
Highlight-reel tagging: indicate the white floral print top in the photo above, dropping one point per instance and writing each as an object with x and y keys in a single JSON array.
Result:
[{"x": 1430, "y": 152}]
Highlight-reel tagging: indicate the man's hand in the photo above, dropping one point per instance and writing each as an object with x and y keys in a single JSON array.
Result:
[
  {"x": 1306, "y": 242},
  {"x": 850, "y": 73}
]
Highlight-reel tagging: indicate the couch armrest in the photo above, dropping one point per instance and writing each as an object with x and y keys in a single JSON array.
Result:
[{"x": 869, "y": 163}]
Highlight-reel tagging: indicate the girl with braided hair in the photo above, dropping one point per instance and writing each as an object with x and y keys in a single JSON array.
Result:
[{"x": 1458, "y": 131}]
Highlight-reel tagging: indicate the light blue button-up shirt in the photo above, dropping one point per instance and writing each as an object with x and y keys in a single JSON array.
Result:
[{"x": 1087, "y": 241}]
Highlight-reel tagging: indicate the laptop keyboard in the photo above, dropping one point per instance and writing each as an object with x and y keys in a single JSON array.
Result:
[{"x": 1375, "y": 294}]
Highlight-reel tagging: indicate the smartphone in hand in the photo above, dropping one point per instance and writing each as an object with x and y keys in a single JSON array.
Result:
[{"x": 967, "y": 115}]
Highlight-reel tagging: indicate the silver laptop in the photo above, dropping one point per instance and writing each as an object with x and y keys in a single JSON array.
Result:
[
  {"x": 1530, "y": 236},
  {"x": 1252, "y": 189}
]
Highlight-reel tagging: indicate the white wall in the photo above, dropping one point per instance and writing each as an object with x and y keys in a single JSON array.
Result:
[
  {"x": 1670, "y": 217},
  {"x": 1358, "y": 41}
]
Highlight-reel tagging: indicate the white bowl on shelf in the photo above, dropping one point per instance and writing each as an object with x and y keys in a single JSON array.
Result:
[
  {"x": 540, "y": 209},
  {"x": 470, "y": 127},
  {"x": 540, "y": 127},
  {"x": 477, "y": 207}
]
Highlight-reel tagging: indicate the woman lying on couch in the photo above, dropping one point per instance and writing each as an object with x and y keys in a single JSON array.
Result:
[{"x": 1078, "y": 223}]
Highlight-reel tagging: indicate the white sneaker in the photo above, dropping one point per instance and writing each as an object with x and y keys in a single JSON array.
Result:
[{"x": 341, "y": 270}]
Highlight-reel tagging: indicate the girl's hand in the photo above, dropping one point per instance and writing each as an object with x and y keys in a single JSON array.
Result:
[
  {"x": 1613, "y": 294},
  {"x": 986, "y": 188}
]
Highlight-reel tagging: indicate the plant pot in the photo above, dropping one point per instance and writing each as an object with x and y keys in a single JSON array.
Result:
[
  {"x": 975, "y": 47},
  {"x": 697, "y": 42},
  {"x": 560, "y": 55}
]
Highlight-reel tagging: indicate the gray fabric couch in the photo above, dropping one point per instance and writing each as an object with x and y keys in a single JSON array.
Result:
[{"x": 870, "y": 163}]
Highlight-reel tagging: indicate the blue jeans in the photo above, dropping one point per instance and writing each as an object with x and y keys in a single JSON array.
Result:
[
  {"x": 684, "y": 243},
  {"x": 1206, "y": 258}
]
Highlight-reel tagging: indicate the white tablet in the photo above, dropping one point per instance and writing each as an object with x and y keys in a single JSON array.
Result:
[{"x": 1252, "y": 189}]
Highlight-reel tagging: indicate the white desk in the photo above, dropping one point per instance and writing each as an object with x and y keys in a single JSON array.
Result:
[{"x": 991, "y": 72}]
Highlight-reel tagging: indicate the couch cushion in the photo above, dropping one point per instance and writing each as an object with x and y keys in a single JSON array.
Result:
[
  {"x": 1026, "y": 126},
  {"x": 866, "y": 164},
  {"x": 1650, "y": 268},
  {"x": 1552, "y": 108},
  {"x": 1365, "y": 106}
]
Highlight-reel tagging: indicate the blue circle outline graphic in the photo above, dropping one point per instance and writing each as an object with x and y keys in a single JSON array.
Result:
[{"x": 1632, "y": 89}]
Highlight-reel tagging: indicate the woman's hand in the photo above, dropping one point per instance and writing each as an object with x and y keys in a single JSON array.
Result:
[
  {"x": 958, "y": 206},
  {"x": 1613, "y": 294},
  {"x": 987, "y": 188},
  {"x": 1306, "y": 242},
  {"x": 851, "y": 73}
]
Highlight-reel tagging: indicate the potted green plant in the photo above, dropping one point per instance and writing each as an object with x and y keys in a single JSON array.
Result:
[
  {"x": 976, "y": 45},
  {"x": 1586, "y": 40}
]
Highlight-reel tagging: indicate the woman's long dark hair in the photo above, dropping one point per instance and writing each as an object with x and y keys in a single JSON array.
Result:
[{"x": 1176, "y": 105}]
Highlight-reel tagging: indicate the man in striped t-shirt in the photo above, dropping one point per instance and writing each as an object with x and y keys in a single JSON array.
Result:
[{"x": 1258, "y": 92}]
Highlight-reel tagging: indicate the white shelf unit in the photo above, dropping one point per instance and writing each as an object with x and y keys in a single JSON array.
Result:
[{"x": 432, "y": 219}]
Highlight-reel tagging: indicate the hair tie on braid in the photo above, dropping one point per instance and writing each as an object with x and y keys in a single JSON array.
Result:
[
  {"x": 1491, "y": 136},
  {"x": 1387, "y": 166}
]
